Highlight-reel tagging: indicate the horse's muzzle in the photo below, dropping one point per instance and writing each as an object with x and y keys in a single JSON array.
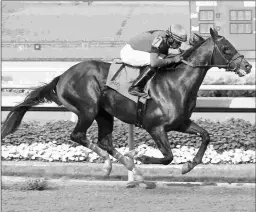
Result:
[{"x": 248, "y": 68}]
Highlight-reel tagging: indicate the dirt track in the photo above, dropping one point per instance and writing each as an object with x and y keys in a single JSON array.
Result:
[{"x": 119, "y": 199}]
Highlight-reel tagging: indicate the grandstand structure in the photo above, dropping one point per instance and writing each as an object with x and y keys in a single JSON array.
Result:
[
  {"x": 74, "y": 31},
  {"x": 41, "y": 39}
]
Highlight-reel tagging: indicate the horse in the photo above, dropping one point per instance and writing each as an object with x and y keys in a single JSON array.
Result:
[{"x": 82, "y": 89}]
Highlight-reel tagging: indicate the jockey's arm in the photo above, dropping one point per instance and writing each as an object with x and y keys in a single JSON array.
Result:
[{"x": 156, "y": 60}]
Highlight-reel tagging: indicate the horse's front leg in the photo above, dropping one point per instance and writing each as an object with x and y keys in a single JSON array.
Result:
[
  {"x": 192, "y": 128},
  {"x": 160, "y": 137}
]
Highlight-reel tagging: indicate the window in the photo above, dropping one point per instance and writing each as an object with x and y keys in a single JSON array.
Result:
[
  {"x": 205, "y": 28},
  {"x": 240, "y": 15},
  {"x": 241, "y": 28},
  {"x": 206, "y": 15}
]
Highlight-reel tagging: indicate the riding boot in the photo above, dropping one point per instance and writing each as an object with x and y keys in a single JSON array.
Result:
[{"x": 137, "y": 87}]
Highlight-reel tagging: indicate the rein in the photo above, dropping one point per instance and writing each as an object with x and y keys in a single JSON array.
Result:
[
  {"x": 203, "y": 66},
  {"x": 228, "y": 63}
]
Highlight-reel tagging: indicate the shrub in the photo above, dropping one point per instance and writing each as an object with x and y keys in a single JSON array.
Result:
[{"x": 231, "y": 134}]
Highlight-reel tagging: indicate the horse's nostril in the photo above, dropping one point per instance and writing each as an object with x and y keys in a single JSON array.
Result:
[{"x": 248, "y": 68}]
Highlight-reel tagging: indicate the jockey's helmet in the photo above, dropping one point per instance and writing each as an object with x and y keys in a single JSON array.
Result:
[{"x": 178, "y": 33}]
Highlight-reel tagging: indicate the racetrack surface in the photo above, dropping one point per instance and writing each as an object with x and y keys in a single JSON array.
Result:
[{"x": 116, "y": 198}]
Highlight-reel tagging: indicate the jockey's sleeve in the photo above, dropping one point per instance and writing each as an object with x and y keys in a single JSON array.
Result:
[
  {"x": 155, "y": 61},
  {"x": 156, "y": 58},
  {"x": 156, "y": 45}
]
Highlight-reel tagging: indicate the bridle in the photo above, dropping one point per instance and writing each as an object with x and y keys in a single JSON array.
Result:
[{"x": 228, "y": 63}]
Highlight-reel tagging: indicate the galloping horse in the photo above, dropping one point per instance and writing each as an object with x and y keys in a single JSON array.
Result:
[{"x": 81, "y": 89}]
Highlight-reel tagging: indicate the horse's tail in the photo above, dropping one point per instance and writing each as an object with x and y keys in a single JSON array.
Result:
[{"x": 45, "y": 93}]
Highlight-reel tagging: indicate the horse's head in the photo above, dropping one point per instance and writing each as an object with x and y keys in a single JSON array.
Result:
[{"x": 224, "y": 53}]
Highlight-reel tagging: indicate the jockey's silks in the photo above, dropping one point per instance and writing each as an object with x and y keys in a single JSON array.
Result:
[{"x": 146, "y": 40}]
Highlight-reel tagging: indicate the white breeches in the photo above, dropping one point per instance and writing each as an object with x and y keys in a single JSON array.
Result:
[{"x": 134, "y": 57}]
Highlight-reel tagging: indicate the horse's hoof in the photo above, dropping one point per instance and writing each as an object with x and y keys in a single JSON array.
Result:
[
  {"x": 132, "y": 184},
  {"x": 107, "y": 168},
  {"x": 187, "y": 167},
  {"x": 131, "y": 154}
]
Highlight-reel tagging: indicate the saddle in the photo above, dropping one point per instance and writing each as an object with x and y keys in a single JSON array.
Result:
[
  {"x": 120, "y": 78},
  {"x": 125, "y": 65}
]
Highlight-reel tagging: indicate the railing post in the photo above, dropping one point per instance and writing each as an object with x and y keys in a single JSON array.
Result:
[
  {"x": 131, "y": 147},
  {"x": 73, "y": 117}
]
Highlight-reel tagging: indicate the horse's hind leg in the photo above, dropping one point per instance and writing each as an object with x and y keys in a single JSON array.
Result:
[
  {"x": 105, "y": 125},
  {"x": 79, "y": 136},
  {"x": 192, "y": 128}
]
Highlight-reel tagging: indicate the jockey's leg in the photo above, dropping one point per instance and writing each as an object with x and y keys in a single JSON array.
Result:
[
  {"x": 137, "y": 87},
  {"x": 137, "y": 58},
  {"x": 134, "y": 57}
]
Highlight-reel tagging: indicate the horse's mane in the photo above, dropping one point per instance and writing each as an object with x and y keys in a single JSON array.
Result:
[{"x": 188, "y": 52}]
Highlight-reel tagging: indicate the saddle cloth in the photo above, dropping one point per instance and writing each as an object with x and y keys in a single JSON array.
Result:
[{"x": 120, "y": 78}]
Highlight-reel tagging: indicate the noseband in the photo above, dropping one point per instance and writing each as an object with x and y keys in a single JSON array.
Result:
[{"x": 228, "y": 63}]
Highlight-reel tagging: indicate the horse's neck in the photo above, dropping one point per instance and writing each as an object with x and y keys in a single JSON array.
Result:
[
  {"x": 186, "y": 79},
  {"x": 193, "y": 77},
  {"x": 202, "y": 55}
]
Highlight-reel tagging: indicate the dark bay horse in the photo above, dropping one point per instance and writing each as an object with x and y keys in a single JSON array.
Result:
[{"x": 81, "y": 89}]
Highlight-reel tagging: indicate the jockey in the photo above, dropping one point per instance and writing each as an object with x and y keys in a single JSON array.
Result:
[{"x": 149, "y": 49}]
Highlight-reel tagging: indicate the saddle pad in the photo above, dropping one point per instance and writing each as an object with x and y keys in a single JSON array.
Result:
[{"x": 120, "y": 78}]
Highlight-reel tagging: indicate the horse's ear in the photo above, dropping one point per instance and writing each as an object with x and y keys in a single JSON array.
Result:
[{"x": 214, "y": 33}]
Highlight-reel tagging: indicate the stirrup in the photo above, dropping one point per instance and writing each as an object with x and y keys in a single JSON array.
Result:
[{"x": 133, "y": 91}]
